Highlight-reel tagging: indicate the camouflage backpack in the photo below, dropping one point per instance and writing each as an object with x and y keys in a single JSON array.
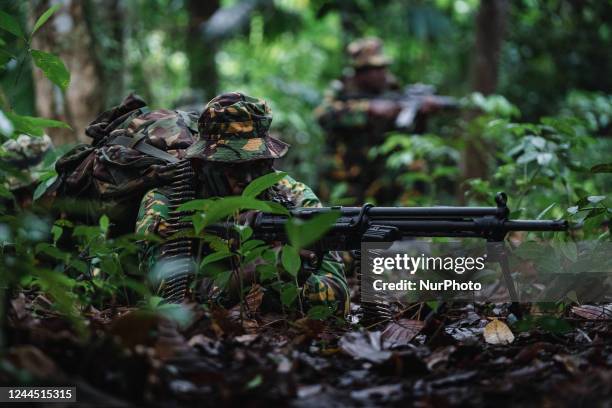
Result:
[{"x": 131, "y": 145}]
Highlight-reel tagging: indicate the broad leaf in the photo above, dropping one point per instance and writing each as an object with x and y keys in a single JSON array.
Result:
[
  {"x": 303, "y": 233},
  {"x": 5, "y": 57},
  {"x": 214, "y": 257},
  {"x": 32, "y": 125},
  {"x": 42, "y": 187},
  {"x": 290, "y": 259},
  {"x": 320, "y": 312},
  {"x": 10, "y": 24},
  {"x": 104, "y": 223},
  {"x": 44, "y": 17},
  {"x": 497, "y": 332},
  {"x": 195, "y": 205},
  {"x": 227, "y": 206},
  {"x": 53, "y": 68},
  {"x": 261, "y": 183},
  {"x": 288, "y": 294}
]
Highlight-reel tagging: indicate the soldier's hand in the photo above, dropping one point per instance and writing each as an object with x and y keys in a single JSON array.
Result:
[{"x": 385, "y": 109}]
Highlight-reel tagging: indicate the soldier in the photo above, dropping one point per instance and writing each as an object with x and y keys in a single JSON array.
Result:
[
  {"x": 234, "y": 140},
  {"x": 357, "y": 112},
  {"x": 25, "y": 154}
]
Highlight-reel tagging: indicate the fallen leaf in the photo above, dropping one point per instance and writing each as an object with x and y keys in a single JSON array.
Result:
[
  {"x": 399, "y": 333},
  {"x": 593, "y": 312},
  {"x": 246, "y": 338},
  {"x": 381, "y": 393},
  {"x": 364, "y": 346},
  {"x": 497, "y": 332},
  {"x": 254, "y": 298},
  {"x": 439, "y": 356},
  {"x": 19, "y": 306}
]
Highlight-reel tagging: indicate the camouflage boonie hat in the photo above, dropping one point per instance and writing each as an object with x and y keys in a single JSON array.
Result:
[
  {"x": 234, "y": 128},
  {"x": 367, "y": 52}
]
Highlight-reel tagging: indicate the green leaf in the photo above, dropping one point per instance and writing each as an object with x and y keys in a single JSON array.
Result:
[
  {"x": 222, "y": 279},
  {"x": 5, "y": 192},
  {"x": 56, "y": 231},
  {"x": 5, "y": 57},
  {"x": 573, "y": 210},
  {"x": 288, "y": 294},
  {"x": 290, "y": 259},
  {"x": 198, "y": 222},
  {"x": 266, "y": 272},
  {"x": 543, "y": 213},
  {"x": 10, "y": 24},
  {"x": 303, "y": 233},
  {"x": 52, "y": 251},
  {"x": 227, "y": 206},
  {"x": 255, "y": 382},
  {"x": 214, "y": 257},
  {"x": 32, "y": 125},
  {"x": 44, "y": 17},
  {"x": 251, "y": 244},
  {"x": 553, "y": 324},
  {"x": 602, "y": 168},
  {"x": 320, "y": 312},
  {"x": 41, "y": 188},
  {"x": 261, "y": 183},
  {"x": 244, "y": 231},
  {"x": 194, "y": 205},
  {"x": 104, "y": 223},
  {"x": 596, "y": 199},
  {"x": 53, "y": 68}
]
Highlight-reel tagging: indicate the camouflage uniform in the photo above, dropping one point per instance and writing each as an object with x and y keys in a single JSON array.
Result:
[
  {"x": 234, "y": 129},
  {"x": 26, "y": 154},
  {"x": 351, "y": 132}
]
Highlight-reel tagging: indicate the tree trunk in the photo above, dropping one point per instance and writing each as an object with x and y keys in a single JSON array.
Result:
[
  {"x": 490, "y": 27},
  {"x": 204, "y": 78},
  {"x": 66, "y": 34}
]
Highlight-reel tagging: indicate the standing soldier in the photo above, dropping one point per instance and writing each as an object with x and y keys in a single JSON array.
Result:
[
  {"x": 234, "y": 143},
  {"x": 357, "y": 112}
]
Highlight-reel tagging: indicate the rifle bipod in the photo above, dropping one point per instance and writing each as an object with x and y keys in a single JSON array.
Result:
[{"x": 175, "y": 255}]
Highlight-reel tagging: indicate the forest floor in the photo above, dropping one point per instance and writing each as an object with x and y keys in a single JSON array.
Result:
[{"x": 134, "y": 358}]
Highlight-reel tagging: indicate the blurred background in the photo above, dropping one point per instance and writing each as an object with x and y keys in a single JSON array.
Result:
[{"x": 516, "y": 61}]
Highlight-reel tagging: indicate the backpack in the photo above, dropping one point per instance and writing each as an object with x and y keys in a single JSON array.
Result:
[{"x": 111, "y": 175}]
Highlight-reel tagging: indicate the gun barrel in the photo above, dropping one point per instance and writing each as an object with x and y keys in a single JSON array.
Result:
[
  {"x": 536, "y": 225},
  {"x": 406, "y": 212},
  {"x": 476, "y": 226}
]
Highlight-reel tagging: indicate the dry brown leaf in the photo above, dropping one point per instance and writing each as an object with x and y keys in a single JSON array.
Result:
[
  {"x": 399, "y": 333},
  {"x": 497, "y": 332},
  {"x": 593, "y": 312}
]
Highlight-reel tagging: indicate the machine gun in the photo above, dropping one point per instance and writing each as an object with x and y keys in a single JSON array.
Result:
[{"x": 387, "y": 224}]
